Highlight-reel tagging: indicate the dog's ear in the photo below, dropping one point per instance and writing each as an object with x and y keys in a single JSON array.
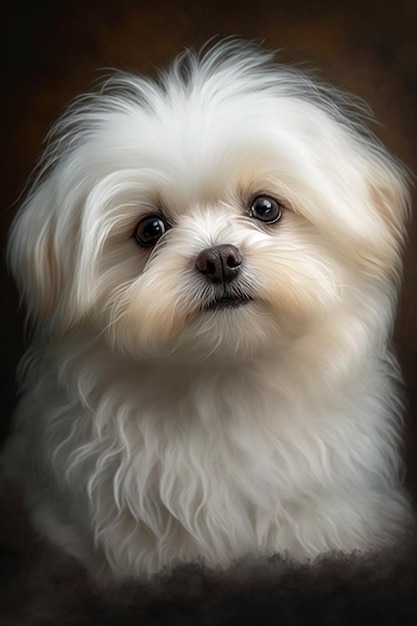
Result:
[
  {"x": 42, "y": 255},
  {"x": 388, "y": 185},
  {"x": 389, "y": 190}
]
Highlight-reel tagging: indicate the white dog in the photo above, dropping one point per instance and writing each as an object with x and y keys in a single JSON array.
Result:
[{"x": 211, "y": 265}]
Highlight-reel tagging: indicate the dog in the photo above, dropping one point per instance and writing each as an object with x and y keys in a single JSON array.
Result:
[{"x": 210, "y": 263}]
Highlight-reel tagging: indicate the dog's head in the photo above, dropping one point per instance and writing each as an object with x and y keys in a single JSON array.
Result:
[{"x": 227, "y": 210}]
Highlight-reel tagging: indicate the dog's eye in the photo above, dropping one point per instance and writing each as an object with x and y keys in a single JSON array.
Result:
[
  {"x": 265, "y": 209},
  {"x": 149, "y": 230}
]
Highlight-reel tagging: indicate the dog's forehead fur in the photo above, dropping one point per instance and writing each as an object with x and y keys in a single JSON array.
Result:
[
  {"x": 196, "y": 149},
  {"x": 207, "y": 116},
  {"x": 226, "y": 124}
]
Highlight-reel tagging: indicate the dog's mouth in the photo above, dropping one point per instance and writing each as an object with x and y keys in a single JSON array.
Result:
[{"x": 227, "y": 302}]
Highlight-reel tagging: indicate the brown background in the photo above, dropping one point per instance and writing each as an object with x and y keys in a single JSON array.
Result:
[{"x": 53, "y": 51}]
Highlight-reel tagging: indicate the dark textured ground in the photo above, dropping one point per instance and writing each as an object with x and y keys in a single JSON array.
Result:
[
  {"x": 40, "y": 586},
  {"x": 50, "y": 52}
]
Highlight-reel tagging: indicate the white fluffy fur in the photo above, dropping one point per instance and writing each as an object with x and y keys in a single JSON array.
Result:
[{"x": 151, "y": 432}]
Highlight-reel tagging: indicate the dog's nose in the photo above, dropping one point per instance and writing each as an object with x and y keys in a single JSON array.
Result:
[{"x": 219, "y": 264}]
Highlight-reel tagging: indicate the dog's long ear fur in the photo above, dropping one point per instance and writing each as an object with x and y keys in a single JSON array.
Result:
[
  {"x": 42, "y": 256},
  {"x": 388, "y": 184}
]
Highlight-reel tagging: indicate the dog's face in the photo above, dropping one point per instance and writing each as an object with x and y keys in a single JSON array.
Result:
[{"x": 227, "y": 214}]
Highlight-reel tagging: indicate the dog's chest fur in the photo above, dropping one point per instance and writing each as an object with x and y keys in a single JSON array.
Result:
[{"x": 218, "y": 463}]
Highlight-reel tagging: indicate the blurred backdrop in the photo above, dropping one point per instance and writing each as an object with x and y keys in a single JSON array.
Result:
[{"x": 52, "y": 51}]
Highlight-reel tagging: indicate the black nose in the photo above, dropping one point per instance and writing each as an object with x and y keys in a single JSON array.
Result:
[{"x": 219, "y": 264}]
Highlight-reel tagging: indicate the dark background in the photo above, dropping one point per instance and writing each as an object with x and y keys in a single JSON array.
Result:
[{"x": 52, "y": 52}]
